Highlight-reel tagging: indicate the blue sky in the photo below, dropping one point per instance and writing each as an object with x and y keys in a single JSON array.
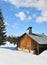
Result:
[{"x": 20, "y": 14}]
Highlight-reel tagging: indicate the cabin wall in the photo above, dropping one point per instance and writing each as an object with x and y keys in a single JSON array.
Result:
[
  {"x": 26, "y": 43},
  {"x": 34, "y": 44},
  {"x": 42, "y": 47}
]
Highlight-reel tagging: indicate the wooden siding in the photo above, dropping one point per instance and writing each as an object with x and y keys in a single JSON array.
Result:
[{"x": 26, "y": 42}]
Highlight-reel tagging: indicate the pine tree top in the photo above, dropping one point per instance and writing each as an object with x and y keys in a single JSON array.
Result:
[
  {"x": 2, "y": 29},
  {"x": 1, "y": 16}
]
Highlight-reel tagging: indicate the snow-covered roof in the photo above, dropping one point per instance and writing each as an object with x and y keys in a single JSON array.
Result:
[{"x": 39, "y": 38}]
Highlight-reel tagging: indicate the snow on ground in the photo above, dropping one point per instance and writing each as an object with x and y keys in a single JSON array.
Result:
[
  {"x": 10, "y": 57},
  {"x": 44, "y": 53},
  {"x": 9, "y": 46}
]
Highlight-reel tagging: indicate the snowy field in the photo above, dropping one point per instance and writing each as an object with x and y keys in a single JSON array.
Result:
[{"x": 10, "y": 56}]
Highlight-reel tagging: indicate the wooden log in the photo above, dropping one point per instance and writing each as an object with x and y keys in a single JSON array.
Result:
[{"x": 37, "y": 49}]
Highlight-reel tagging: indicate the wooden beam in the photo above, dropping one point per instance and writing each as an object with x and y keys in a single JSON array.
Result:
[{"x": 37, "y": 49}]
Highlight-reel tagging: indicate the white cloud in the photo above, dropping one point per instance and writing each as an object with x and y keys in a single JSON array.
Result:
[
  {"x": 44, "y": 13},
  {"x": 41, "y": 19},
  {"x": 39, "y": 4},
  {"x": 21, "y": 15}
]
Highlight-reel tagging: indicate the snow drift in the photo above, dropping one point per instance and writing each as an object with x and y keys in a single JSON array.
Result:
[{"x": 11, "y": 57}]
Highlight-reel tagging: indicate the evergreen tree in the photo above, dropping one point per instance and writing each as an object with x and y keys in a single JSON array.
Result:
[{"x": 2, "y": 30}]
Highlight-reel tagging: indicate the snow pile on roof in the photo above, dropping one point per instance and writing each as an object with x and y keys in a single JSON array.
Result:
[{"x": 11, "y": 57}]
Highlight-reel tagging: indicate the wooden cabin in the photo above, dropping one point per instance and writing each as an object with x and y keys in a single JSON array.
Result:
[{"x": 35, "y": 43}]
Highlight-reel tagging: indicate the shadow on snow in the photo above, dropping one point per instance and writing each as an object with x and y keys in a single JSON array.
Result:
[{"x": 10, "y": 48}]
